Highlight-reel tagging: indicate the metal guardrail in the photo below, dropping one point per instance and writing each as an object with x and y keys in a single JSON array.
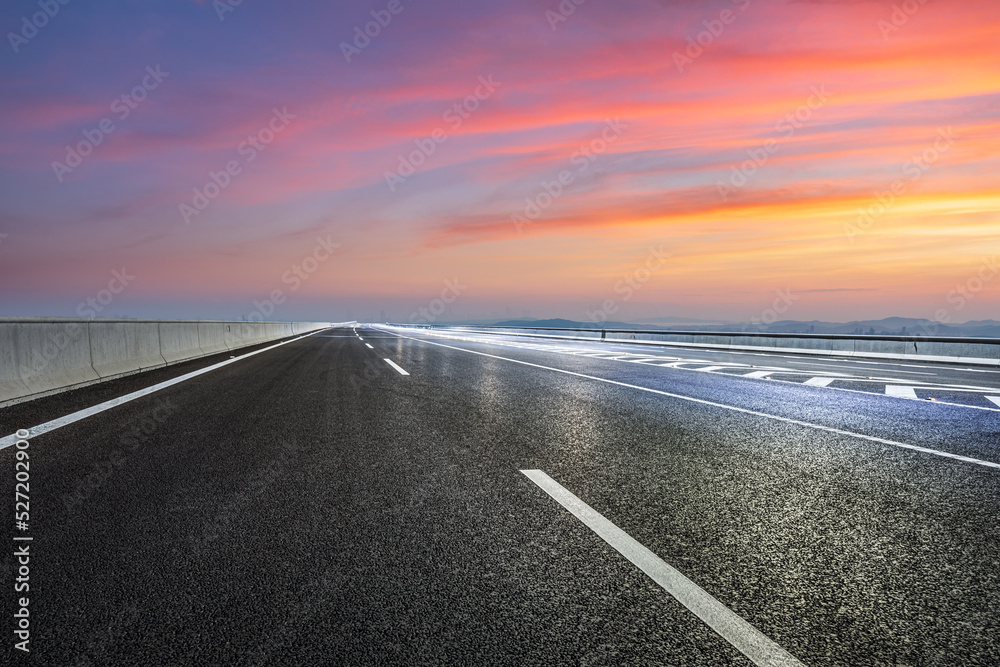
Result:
[
  {"x": 946, "y": 349},
  {"x": 750, "y": 334}
]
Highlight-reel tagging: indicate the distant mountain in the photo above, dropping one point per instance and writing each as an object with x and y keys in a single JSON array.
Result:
[
  {"x": 559, "y": 323},
  {"x": 675, "y": 320}
]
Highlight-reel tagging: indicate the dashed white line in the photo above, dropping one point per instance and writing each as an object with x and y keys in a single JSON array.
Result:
[
  {"x": 701, "y": 401},
  {"x": 393, "y": 364},
  {"x": 682, "y": 364},
  {"x": 744, "y": 637},
  {"x": 368, "y": 345}
]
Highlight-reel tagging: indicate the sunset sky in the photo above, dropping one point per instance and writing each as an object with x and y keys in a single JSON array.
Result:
[{"x": 739, "y": 140}]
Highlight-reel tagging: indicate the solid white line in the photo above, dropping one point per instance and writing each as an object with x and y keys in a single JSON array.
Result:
[
  {"x": 393, "y": 364},
  {"x": 770, "y": 374},
  {"x": 709, "y": 369},
  {"x": 892, "y": 370},
  {"x": 901, "y": 392},
  {"x": 994, "y": 399},
  {"x": 745, "y": 638},
  {"x": 819, "y": 382},
  {"x": 787, "y": 420},
  {"x": 114, "y": 402},
  {"x": 368, "y": 345}
]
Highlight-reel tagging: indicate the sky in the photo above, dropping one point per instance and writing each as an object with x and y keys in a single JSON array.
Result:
[{"x": 419, "y": 160}]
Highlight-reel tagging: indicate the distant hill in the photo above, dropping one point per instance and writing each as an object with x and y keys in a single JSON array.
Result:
[
  {"x": 675, "y": 320},
  {"x": 559, "y": 323}
]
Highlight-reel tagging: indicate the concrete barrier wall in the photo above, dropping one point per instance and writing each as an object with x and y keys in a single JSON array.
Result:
[
  {"x": 40, "y": 357},
  {"x": 212, "y": 337},
  {"x": 120, "y": 347},
  {"x": 43, "y": 356},
  {"x": 978, "y": 351},
  {"x": 179, "y": 341}
]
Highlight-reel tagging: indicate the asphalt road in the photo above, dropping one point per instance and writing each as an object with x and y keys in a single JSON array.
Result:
[{"x": 312, "y": 504}]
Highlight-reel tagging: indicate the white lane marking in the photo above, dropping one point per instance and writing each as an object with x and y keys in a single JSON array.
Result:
[
  {"x": 819, "y": 382},
  {"x": 391, "y": 363},
  {"x": 994, "y": 399},
  {"x": 901, "y": 392},
  {"x": 894, "y": 370},
  {"x": 114, "y": 402},
  {"x": 648, "y": 360},
  {"x": 631, "y": 357},
  {"x": 360, "y": 338},
  {"x": 803, "y": 363},
  {"x": 744, "y": 637},
  {"x": 714, "y": 350},
  {"x": 368, "y": 345},
  {"x": 681, "y": 364},
  {"x": 755, "y": 413},
  {"x": 964, "y": 406},
  {"x": 757, "y": 374},
  {"x": 807, "y": 363}
]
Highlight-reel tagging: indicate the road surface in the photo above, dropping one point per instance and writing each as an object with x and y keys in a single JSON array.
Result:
[{"x": 396, "y": 496}]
